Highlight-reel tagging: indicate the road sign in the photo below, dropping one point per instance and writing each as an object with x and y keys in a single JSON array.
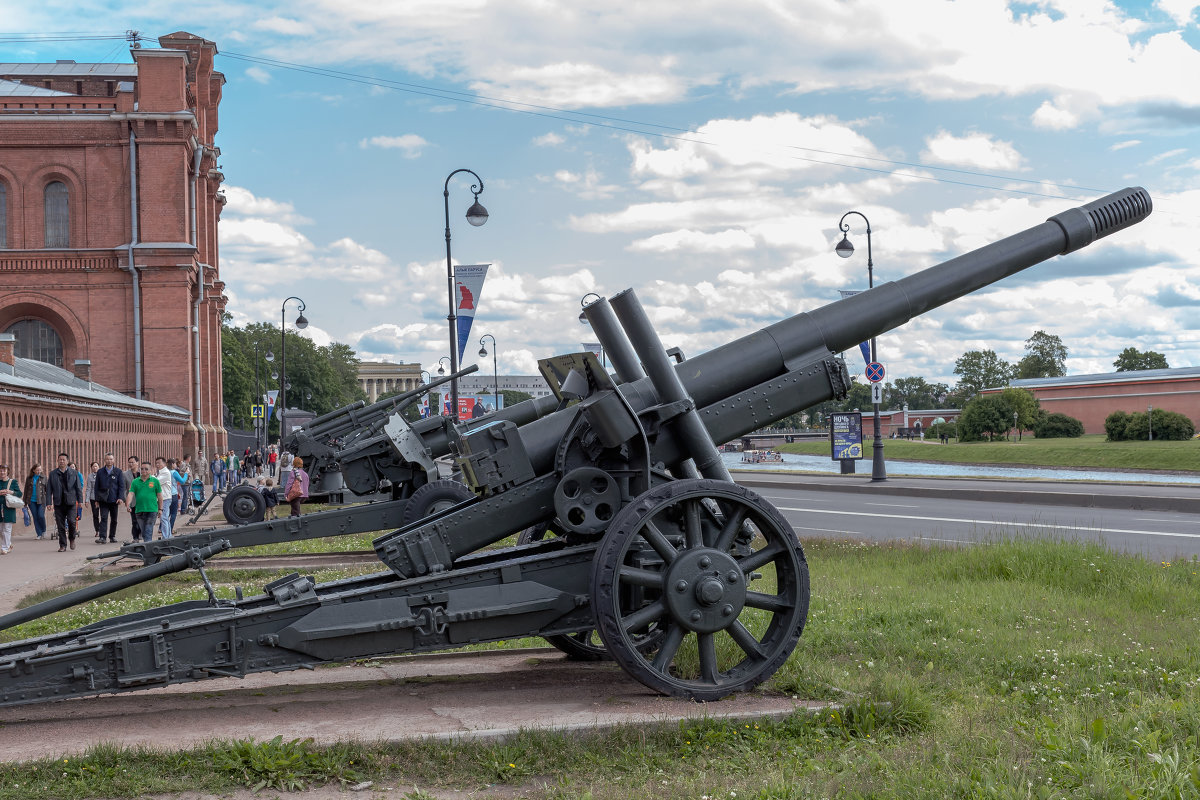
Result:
[
  {"x": 875, "y": 372},
  {"x": 876, "y": 392},
  {"x": 257, "y": 411}
]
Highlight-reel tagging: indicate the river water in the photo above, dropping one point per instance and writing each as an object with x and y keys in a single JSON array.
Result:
[{"x": 823, "y": 464}]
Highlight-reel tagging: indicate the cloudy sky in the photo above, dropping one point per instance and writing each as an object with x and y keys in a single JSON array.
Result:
[{"x": 701, "y": 152}]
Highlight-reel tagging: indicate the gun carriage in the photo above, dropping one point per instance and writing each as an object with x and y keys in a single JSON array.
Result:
[{"x": 697, "y": 587}]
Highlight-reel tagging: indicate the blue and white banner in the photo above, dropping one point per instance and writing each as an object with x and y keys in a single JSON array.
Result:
[
  {"x": 269, "y": 398},
  {"x": 468, "y": 286}
]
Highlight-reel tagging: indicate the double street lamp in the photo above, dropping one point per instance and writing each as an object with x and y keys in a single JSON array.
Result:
[
  {"x": 476, "y": 215},
  {"x": 495, "y": 370},
  {"x": 301, "y": 324},
  {"x": 845, "y": 249},
  {"x": 260, "y": 423}
]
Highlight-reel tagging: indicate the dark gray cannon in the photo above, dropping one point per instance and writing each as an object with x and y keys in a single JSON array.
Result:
[{"x": 645, "y": 553}]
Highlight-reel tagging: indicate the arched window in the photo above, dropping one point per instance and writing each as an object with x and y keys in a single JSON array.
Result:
[
  {"x": 37, "y": 340},
  {"x": 58, "y": 215},
  {"x": 3, "y": 215}
]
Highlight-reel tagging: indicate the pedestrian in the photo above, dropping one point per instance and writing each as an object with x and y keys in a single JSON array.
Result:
[
  {"x": 8, "y": 514},
  {"x": 65, "y": 493},
  {"x": 179, "y": 487},
  {"x": 89, "y": 497},
  {"x": 272, "y": 459},
  {"x": 165, "y": 483},
  {"x": 218, "y": 473},
  {"x": 258, "y": 462},
  {"x": 285, "y": 467},
  {"x": 129, "y": 474},
  {"x": 233, "y": 467},
  {"x": 184, "y": 468},
  {"x": 82, "y": 491},
  {"x": 271, "y": 496},
  {"x": 110, "y": 489},
  {"x": 35, "y": 494},
  {"x": 297, "y": 487},
  {"x": 144, "y": 498}
]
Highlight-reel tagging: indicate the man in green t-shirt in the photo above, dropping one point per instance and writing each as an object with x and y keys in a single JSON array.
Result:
[{"x": 145, "y": 497}]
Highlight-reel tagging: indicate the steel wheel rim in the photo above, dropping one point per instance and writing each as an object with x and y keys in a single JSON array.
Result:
[{"x": 698, "y": 535}]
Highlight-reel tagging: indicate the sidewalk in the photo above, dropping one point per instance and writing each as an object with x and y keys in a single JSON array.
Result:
[{"x": 33, "y": 565}]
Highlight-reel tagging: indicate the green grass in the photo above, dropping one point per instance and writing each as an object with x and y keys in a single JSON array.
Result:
[
  {"x": 1016, "y": 669},
  {"x": 1087, "y": 451}
]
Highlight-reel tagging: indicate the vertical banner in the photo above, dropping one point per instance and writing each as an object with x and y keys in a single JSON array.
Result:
[
  {"x": 424, "y": 407},
  {"x": 468, "y": 286},
  {"x": 269, "y": 398}
]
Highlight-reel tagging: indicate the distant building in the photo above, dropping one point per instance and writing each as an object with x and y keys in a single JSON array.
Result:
[
  {"x": 109, "y": 201},
  {"x": 479, "y": 384},
  {"x": 377, "y": 378},
  {"x": 1091, "y": 398}
]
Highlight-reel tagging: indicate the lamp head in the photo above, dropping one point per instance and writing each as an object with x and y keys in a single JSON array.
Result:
[
  {"x": 483, "y": 352},
  {"x": 441, "y": 370},
  {"x": 477, "y": 214},
  {"x": 844, "y": 248},
  {"x": 269, "y": 356},
  {"x": 301, "y": 322}
]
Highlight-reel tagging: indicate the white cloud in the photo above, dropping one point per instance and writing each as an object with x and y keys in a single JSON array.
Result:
[
  {"x": 550, "y": 139},
  {"x": 1125, "y": 144},
  {"x": 1182, "y": 11},
  {"x": 410, "y": 143},
  {"x": 1052, "y": 117},
  {"x": 1167, "y": 156},
  {"x": 695, "y": 242},
  {"x": 283, "y": 25},
  {"x": 258, "y": 75},
  {"x": 973, "y": 150}
]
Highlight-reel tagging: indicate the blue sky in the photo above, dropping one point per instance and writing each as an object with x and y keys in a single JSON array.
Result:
[{"x": 949, "y": 124}]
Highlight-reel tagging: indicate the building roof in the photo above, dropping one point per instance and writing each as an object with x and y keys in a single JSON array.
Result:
[
  {"x": 1133, "y": 376},
  {"x": 68, "y": 69},
  {"x": 18, "y": 89},
  {"x": 38, "y": 376}
]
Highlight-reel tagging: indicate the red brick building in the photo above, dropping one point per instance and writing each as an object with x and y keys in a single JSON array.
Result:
[
  {"x": 109, "y": 201},
  {"x": 1091, "y": 398}
]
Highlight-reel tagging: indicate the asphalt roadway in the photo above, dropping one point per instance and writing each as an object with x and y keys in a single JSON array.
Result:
[{"x": 493, "y": 695}]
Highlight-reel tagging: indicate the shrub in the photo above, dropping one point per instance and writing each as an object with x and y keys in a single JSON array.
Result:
[
  {"x": 1168, "y": 426},
  {"x": 1115, "y": 424},
  {"x": 1058, "y": 426},
  {"x": 986, "y": 415},
  {"x": 935, "y": 431}
]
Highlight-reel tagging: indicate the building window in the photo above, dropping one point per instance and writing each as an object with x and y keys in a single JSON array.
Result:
[
  {"x": 37, "y": 340},
  {"x": 3, "y": 215},
  {"x": 58, "y": 215}
]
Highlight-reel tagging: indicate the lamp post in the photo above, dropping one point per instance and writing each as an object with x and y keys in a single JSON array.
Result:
[
  {"x": 260, "y": 424},
  {"x": 1150, "y": 421},
  {"x": 1014, "y": 423},
  {"x": 583, "y": 320},
  {"x": 845, "y": 249},
  {"x": 301, "y": 324},
  {"x": 442, "y": 371},
  {"x": 495, "y": 371},
  {"x": 476, "y": 215}
]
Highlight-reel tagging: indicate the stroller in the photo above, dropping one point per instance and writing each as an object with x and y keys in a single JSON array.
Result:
[{"x": 197, "y": 491}]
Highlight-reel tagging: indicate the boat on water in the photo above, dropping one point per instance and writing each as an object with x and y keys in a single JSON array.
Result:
[{"x": 761, "y": 456}]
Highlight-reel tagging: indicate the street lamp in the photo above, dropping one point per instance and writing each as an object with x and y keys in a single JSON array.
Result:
[
  {"x": 442, "y": 371},
  {"x": 301, "y": 324},
  {"x": 583, "y": 303},
  {"x": 845, "y": 249},
  {"x": 1150, "y": 421},
  {"x": 260, "y": 423},
  {"x": 476, "y": 215},
  {"x": 1014, "y": 422},
  {"x": 495, "y": 371}
]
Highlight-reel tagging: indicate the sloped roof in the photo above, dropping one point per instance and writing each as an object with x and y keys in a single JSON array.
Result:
[
  {"x": 38, "y": 376},
  {"x": 68, "y": 69},
  {"x": 1175, "y": 373},
  {"x": 18, "y": 89}
]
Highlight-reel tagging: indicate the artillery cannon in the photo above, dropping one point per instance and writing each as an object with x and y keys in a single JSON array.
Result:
[{"x": 697, "y": 587}]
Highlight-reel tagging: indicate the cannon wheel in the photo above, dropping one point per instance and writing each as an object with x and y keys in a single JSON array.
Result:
[
  {"x": 243, "y": 505},
  {"x": 672, "y": 560},
  {"x": 433, "y": 498}
]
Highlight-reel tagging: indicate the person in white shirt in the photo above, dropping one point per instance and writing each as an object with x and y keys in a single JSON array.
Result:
[{"x": 168, "y": 492}]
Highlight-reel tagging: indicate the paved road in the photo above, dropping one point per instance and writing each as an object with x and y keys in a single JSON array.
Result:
[{"x": 1163, "y": 528}]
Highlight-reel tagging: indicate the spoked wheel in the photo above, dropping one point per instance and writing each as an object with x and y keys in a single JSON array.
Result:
[
  {"x": 681, "y": 560},
  {"x": 581, "y": 646}
]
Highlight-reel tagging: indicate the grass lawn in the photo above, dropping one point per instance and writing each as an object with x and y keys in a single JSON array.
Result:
[
  {"x": 1086, "y": 451},
  {"x": 1017, "y": 669}
]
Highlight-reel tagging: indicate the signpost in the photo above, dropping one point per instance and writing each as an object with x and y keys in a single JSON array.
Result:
[{"x": 875, "y": 372}]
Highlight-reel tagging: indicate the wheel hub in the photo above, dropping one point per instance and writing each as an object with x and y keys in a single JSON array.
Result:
[{"x": 706, "y": 590}]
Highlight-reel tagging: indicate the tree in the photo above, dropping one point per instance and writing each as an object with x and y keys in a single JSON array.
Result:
[
  {"x": 987, "y": 415},
  {"x": 916, "y": 392},
  {"x": 1022, "y": 401},
  {"x": 980, "y": 369},
  {"x": 1131, "y": 359},
  {"x": 1045, "y": 357},
  {"x": 512, "y": 397}
]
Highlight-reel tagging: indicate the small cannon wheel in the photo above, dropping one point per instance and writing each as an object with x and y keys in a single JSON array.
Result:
[
  {"x": 434, "y": 498},
  {"x": 243, "y": 505},
  {"x": 581, "y": 646},
  {"x": 680, "y": 560}
]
